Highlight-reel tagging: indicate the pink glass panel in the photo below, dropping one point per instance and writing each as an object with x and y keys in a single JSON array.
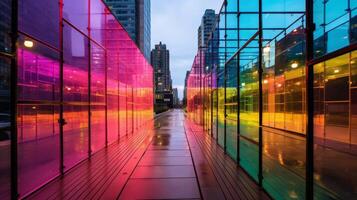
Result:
[
  {"x": 75, "y": 72},
  {"x": 38, "y": 139},
  {"x": 97, "y": 97}
]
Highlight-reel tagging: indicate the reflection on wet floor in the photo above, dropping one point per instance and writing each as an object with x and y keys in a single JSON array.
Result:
[{"x": 166, "y": 170}]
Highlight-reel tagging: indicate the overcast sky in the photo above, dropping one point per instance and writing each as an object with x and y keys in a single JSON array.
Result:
[{"x": 175, "y": 23}]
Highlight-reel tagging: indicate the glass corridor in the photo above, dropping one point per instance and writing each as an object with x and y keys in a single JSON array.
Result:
[
  {"x": 257, "y": 60},
  {"x": 82, "y": 84}
]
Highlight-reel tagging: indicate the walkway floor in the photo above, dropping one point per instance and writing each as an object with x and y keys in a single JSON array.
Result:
[{"x": 173, "y": 161}]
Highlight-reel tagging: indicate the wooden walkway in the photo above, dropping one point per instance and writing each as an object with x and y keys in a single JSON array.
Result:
[
  {"x": 226, "y": 179},
  {"x": 173, "y": 161}
]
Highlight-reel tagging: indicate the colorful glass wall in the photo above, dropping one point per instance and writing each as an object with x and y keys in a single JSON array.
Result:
[
  {"x": 260, "y": 99},
  {"x": 195, "y": 89},
  {"x": 82, "y": 84}
]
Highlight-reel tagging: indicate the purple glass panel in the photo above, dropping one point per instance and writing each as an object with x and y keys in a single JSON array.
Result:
[
  {"x": 97, "y": 21},
  {"x": 97, "y": 97},
  {"x": 36, "y": 18},
  {"x": 76, "y": 13},
  {"x": 75, "y": 72},
  {"x": 38, "y": 148},
  {"x": 38, "y": 72}
]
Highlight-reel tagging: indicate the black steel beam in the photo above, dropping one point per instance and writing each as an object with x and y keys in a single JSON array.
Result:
[
  {"x": 310, "y": 101},
  {"x": 61, "y": 120},
  {"x": 13, "y": 99},
  {"x": 260, "y": 74}
]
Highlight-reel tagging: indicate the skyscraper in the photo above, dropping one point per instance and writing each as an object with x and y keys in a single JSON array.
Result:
[
  {"x": 160, "y": 60},
  {"x": 206, "y": 27},
  {"x": 135, "y": 16},
  {"x": 175, "y": 97}
]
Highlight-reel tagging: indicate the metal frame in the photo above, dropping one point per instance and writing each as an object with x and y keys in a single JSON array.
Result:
[
  {"x": 225, "y": 79},
  {"x": 260, "y": 107},
  {"x": 309, "y": 101},
  {"x": 61, "y": 120},
  {"x": 89, "y": 85},
  {"x": 13, "y": 99}
]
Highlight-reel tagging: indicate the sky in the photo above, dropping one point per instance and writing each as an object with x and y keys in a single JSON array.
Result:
[{"x": 175, "y": 23}]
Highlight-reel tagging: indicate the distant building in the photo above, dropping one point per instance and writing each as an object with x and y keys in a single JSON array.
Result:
[
  {"x": 135, "y": 16},
  {"x": 185, "y": 89},
  {"x": 199, "y": 36},
  {"x": 160, "y": 60},
  {"x": 206, "y": 27},
  {"x": 175, "y": 97}
]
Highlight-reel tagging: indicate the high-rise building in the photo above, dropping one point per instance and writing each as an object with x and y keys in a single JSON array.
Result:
[
  {"x": 135, "y": 16},
  {"x": 206, "y": 27},
  {"x": 175, "y": 97},
  {"x": 199, "y": 36},
  {"x": 160, "y": 60}
]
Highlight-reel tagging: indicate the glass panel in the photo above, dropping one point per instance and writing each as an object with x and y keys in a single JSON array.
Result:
[
  {"x": 220, "y": 114},
  {"x": 41, "y": 21},
  {"x": 97, "y": 21},
  {"x": 334, "y": 21},
  {"x": 335, "y": 128},
  {"x": 337, "y": 106},
  {"x": 284, "y": 111},
  {"x": 5, "y": 113},
  {"x": 215, "y": 113},
  {"x": 283, "y": 5},
  {"x": 76, "y": 13},
  {"x": 97, "y": 97},
  {"x": 232, "y": 107},
  {"x": 232, "y": 5},
  {"x": 248, "y": 116},
  {"x": 38, "y": 130},
  {"x": 248, "y": 6},
  {"x": 76, "y": 60},
  {"x": 5, "y": 169},
  {"x": 5, "y": 26}
]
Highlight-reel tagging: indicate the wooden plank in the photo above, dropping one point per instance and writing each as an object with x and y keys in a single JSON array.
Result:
[
  {"x": 240, "y": 184},
  {"x": 88, "y": 177}
]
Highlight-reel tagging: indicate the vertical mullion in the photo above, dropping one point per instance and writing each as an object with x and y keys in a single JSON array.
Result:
[
  {"x": 309, "y": 101},
  {"x": 13, "y": 100},
  {"x": 89, "y": 84},
  {"x": 225, "y": 78},
  {"x": 132, "y": 108},
  {"x": 118, "y": 100},
  {"x": 260, "y": 74},
  {"x": 238, "y": 108},
  {"x": 61, "y": 117},
  {"x": 106, "y": 78},
  {"x": 238, "y": 88}
]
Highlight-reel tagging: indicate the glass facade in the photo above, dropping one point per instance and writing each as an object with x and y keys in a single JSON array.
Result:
[
  {"x": 259, "y": 95},
  {"x": 135, "y": 16},
  {"x": 80, "y": 87}
]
